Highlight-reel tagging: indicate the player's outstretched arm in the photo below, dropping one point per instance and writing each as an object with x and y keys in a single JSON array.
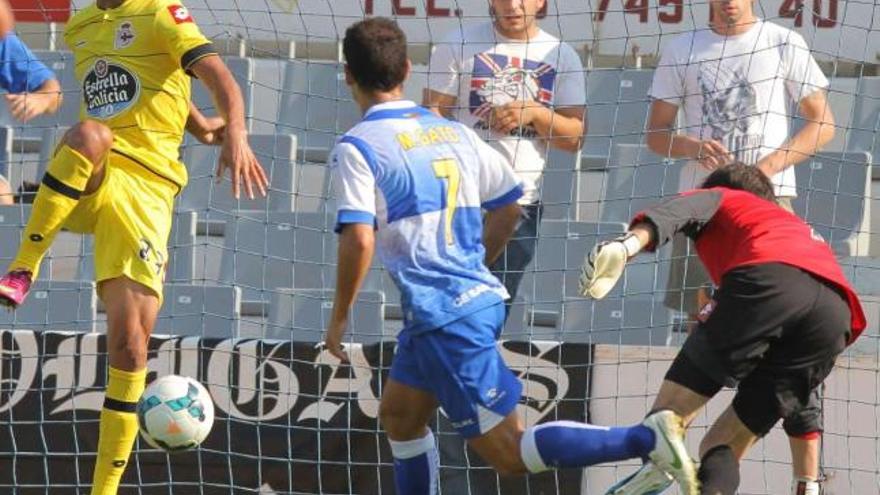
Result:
[
  {"x": 355, "y": 253},
  {"x": 236, "y": 154}
]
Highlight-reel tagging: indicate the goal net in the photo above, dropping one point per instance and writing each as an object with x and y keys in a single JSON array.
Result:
[{"x": 250, "y": 282}]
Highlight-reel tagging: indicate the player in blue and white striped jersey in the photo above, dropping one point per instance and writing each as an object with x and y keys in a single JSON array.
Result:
[{"x": 417, "y": 185}]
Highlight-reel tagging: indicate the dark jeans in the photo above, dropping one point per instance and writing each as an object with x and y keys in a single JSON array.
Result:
[{"x": 510, "y": 266}]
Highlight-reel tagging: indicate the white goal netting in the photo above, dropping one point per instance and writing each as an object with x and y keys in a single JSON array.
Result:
[{"x": 250, "y": 282}]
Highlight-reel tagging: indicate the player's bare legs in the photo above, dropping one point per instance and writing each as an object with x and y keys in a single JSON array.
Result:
[
  {"x": 728, "y": 430},
  {"x": 805, "y": 464},
  {"x": 684, "y": 401},
  {"x": 405, "y": 412},
  {"x": 131, "y": 313},
  {"x": 74, "y": 171}
]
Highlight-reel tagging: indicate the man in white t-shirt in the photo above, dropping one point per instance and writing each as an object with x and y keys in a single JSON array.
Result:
[
  {"x": 736, "y": 83},
  {"x": 522, "y": 90}
]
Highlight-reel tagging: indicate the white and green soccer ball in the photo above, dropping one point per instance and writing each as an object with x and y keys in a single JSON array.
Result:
[{"x": 175, "y": 413}]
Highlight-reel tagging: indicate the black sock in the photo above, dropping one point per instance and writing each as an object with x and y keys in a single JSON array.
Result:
[{"x": 719, "y": 472}]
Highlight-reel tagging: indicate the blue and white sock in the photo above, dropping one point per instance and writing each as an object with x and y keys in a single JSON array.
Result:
[
  {"x": 568, "y": 444},
  {"x": 416, "y": 466}
]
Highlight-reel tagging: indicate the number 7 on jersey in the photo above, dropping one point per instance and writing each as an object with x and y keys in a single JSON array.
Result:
[{"x": 447, "y": 168}]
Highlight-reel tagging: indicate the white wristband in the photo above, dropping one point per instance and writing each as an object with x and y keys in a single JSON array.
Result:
[{"x": 632, "y": 244}]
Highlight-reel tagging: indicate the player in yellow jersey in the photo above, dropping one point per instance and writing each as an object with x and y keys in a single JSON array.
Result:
[{"x": 116, "y": 173}]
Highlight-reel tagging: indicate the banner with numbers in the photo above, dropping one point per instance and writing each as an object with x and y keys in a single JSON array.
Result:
[
  {"x": 289, "y": 418},
  {"x": 832, "y": 28}
]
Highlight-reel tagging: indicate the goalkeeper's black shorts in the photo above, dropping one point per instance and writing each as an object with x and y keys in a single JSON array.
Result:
[{"x": 774, "y": 332}]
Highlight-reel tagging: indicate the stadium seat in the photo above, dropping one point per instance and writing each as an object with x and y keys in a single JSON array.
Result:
[
  {"x": 200, "y": 311},
  {"x": 28, "y": 137},
  {"x": 243, "y": 72},
  {"x": 862, "y": 135},
  {"x": 618, "y": 103},
  {"x": 633, "y": 320},
  {"x": 560, "y": 185},
  {"x": 863, "y": 273},
  {"x": 869, "y": 342},
  {"x": 6, "y": 136},
  {"x": 213, "y": 202},
  {"x": 267, "y": 83},
  {"x": 316, "y": 104},
  {"x": 832, "y": 197},
  {"x": 635, "y": 179},
  {"x": 294, "y": 315},
  {"x": 55, "y": 305},
  {"x": 181, "y": 251},
  {"x": 12, "y": 221},
  {"x": 264, "y": 251}
]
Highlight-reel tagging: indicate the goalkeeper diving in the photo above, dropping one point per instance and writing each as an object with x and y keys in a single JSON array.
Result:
[{"x": 781, "y": 315}]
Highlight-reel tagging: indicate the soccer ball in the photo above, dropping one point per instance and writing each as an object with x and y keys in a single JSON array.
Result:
[{"x": 175, "y": 413}]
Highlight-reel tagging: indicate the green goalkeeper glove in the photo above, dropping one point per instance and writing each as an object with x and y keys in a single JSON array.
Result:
[{"x": 604, "y": 265}]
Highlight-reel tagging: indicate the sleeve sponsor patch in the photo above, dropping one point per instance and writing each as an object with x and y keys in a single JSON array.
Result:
[{"x": 180, "y": 14}]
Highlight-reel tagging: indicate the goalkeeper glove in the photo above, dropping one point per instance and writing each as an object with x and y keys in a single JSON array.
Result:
[{"x": 604, "y": 265}]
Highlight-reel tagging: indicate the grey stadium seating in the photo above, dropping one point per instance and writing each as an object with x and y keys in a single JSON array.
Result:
[
  {"x": 316, "y": 104},
  {"x": 55, "y": 305},
  {"x": 635, "y": 179},
  {"x": 214, "y": 201},
  {"x": 12, "y": 221},
  {"x": 303, "y": 315},
  {"x": 618, "y": 105},
  {"x": 264, "y": 251},
  {"x": 6, "y": 134},
  {"x": 200, "y": 311},
  {"x": 833, "y": 191}
]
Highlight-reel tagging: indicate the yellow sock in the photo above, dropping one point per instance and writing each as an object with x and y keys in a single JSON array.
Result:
[
  {"x": 119, "y": 428},
  {"x": 66, "y": 177}
]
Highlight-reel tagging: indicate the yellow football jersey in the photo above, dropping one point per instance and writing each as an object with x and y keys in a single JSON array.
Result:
[{"x": 132, "y": 62}]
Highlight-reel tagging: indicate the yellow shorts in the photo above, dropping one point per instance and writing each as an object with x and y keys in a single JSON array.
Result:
[{"x": 130, "y": 215}]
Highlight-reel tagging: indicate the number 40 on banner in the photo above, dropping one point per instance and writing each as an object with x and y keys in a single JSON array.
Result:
[{"x": 824, "y": 12}]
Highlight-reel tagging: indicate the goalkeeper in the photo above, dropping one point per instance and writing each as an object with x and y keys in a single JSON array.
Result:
[
  {"x": 116, "y": 174},
  {"x": 781, "y": 316}
]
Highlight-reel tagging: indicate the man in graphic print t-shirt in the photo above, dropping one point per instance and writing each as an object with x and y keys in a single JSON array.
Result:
[{"x": 522, "y": 90}]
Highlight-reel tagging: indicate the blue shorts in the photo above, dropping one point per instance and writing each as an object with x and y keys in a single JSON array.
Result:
[{"x": 461, "y": 366}]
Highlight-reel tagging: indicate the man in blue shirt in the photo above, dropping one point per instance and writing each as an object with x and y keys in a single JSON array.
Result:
[
  {"x": 416, "y": 185},
  {"x": 31, "y": 87}
]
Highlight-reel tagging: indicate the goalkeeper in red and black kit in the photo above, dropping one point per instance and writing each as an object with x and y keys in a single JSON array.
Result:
[{"x": 782, "y": 313}]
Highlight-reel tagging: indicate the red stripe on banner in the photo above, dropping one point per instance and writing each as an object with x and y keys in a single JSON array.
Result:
[{"x": 41, "y": 10}]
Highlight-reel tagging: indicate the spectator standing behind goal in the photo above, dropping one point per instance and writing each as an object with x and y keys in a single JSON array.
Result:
[
  {"x": 735, "y": 83},
  {"x": 32, "y": 89},
  {"x": 522, "y": 90},
  {"x": 414, "y": 185}
]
